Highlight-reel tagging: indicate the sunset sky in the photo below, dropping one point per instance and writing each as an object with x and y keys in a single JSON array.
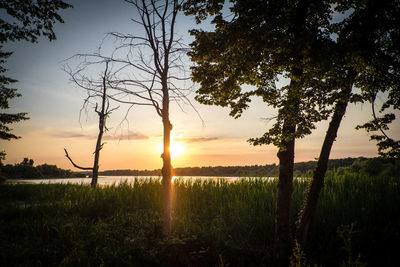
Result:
[{"x": 54, "y": 104}]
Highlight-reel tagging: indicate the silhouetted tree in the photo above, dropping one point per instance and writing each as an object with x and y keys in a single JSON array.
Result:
[
  {"x": 323, "y": 59},
  {"x": 149, "y": 71},
  {"x": 27, "y": 161},
  {"x": 367, "y": 53},
  {"x": 155, "y": 75},
  {"x": 22, "y": 20},
  {"x": 256, "y": 44},
  {"x": 96, "y": 90}
]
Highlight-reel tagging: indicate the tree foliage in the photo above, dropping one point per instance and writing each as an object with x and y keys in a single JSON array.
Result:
[
  {"x": 377, "y": 60},
  {"x": 258, "y": 42},
  {"x": 30, "y": 19},
  {"x": 22, "y": 20},
  {"x": 7, "y": 93}
]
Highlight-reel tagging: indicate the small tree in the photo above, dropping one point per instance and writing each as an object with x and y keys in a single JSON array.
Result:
[{"x": 96, "y": 89}]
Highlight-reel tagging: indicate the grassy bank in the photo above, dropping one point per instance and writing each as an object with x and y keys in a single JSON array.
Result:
[{"x": 71, "y": 225}]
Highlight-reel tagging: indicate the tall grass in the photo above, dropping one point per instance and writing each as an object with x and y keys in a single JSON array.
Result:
[{"x": 120, "y": 225}]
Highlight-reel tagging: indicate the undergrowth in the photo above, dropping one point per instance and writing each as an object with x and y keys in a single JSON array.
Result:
[{"x": 215, "y": 223}]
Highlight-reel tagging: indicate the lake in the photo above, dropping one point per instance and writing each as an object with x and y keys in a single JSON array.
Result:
[{"x": 109, "y": 180}]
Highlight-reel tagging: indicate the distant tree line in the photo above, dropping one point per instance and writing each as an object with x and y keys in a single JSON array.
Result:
[
  {"x": 371, "y": 166},
  {"x": 26, "y": 170}
]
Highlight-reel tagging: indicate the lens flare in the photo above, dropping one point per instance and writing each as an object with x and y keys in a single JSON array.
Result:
[{"x": 177, "y": 149}]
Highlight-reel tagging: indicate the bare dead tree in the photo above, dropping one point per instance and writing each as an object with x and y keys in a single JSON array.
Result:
[
  {"x": 152, "y": 73},
  {"x": 149, "y": 70},
  {"x": 96, "y": 90}
]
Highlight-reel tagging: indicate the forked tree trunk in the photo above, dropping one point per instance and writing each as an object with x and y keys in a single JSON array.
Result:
[{"x": 308, "y": 211}]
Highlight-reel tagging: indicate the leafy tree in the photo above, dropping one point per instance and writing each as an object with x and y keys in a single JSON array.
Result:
[
  {"x": 367, "y": 47},
  {"x": 22, "y": 20},
  {"x": 262, "y": 41},
  {"x": 7, "y": 93},
  {"x": 27, "y": 162},
  {"x": 324, "y": 60}
]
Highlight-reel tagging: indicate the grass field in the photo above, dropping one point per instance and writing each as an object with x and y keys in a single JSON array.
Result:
[{"x": 214, "y": 222}]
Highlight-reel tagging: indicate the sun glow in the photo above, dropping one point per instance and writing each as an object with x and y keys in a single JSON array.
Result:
[{"x": 177, "y": 149}]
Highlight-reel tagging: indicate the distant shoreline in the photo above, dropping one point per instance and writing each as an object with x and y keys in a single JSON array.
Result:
[{"x": 301, "y": 169}]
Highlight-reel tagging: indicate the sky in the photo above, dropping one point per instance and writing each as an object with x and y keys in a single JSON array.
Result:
[{"x": 53, "y": 104}]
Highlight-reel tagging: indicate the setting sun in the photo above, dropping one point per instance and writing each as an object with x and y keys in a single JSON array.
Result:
[{"x": 177, "y": 149}]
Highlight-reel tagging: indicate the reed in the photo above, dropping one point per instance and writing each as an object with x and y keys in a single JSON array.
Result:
[{"x": 72, "y": 225}]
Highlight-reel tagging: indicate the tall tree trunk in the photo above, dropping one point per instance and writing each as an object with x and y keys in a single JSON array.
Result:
[
  {"x": 102, "y": 122},
  {"x": 285, "y": 155},
  {"x": 166, "y": 179},
  {"x": 307, "y": 213},
  {"x": 96, "y": 159},
  {"x": 167, "y": 167},
  {"x": 102, "y": 118},
  {"x": 283, "y": 242},
  {"x": 282, "y": 213}
]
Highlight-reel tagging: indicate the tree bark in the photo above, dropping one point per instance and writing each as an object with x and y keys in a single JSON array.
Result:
[
  {"x": 285, "y": 155},
  {"x": 166, "y": 179},
  {"x": 102, "y": 122},
  {"x": 307, "y": 214},
  {"x": 103, "y": 113},
  {"x": 282, "y": 213},
  {"x": 166, "y": 156},
  {"x": 283, "y": 242}
]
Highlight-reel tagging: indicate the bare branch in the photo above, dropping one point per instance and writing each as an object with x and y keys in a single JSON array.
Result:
[{"x": 75, "y": 165}]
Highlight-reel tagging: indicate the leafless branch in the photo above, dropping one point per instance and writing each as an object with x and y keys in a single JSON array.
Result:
[{"x": 75, "y": 165}]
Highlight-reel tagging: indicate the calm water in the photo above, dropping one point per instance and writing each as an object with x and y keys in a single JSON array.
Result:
[{"x": 108, "y": 180}]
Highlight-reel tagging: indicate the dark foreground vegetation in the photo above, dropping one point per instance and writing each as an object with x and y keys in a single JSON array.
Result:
[{"x": 214, "y": 223}]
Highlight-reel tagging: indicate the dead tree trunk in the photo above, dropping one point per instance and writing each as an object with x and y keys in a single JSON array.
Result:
[
  {"x": 166, "y": 178},
  {"x": 103, "y": 113},
  {"x": 156, "y": 75}
]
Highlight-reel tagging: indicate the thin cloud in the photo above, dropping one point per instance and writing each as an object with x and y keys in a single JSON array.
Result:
[
  {"x": 76, "y": 135},
  {"x": 68, "y": 134},
  {"x": 129, "y": 136},
  {"x": 201, "y": 139}
]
